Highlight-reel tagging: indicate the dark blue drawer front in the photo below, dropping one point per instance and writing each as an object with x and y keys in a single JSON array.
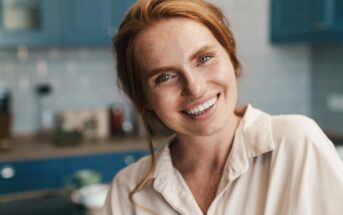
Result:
[
  {"x": 31, "y": 175},
  {"x": 54, "y": 173},
  {"x": 106, "y": 164}
]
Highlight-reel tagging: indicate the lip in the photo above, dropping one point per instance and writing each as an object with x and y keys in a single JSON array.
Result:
[
  {"x": 208, "y": 113},
  {"x": 198, "y": 102}
]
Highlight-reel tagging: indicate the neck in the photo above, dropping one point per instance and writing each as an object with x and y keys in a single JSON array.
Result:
[{"x": 191, "y": 154}]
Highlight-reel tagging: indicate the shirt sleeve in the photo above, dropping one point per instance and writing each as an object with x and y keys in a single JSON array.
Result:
[
  {"x": 117, "y": 200},
  {"x": 306, "y": 171},
  {"x": 321, "y": 190},
  {"x": 327, "y": 178}
]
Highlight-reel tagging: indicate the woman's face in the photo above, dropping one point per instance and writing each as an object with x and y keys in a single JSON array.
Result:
[{"x": 188, "y": 78}]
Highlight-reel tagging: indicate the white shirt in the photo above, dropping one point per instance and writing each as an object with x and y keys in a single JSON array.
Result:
[{"x": 278, "y": 165}]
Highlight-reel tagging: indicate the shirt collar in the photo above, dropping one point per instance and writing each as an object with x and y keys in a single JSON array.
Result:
[{"x": 253, "y": 137}]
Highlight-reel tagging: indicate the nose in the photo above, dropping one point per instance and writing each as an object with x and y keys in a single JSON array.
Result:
[{"x": 194, "y": 84}]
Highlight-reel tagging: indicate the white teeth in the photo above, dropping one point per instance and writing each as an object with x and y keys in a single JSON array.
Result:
[{"x": 199, "y": 109}]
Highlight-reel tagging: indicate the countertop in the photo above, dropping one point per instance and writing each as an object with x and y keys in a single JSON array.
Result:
[
  {"x": 34, "y": 149},
  {"x": 28, "y": 149}
]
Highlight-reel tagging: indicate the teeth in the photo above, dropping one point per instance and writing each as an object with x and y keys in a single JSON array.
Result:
[{"x": 199, "y": 109}]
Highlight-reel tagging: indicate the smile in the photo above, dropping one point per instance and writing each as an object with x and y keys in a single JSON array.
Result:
[{"x": 202, "y": 107}]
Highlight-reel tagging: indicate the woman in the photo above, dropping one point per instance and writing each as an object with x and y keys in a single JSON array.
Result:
[{"x": 177, "y": 62}]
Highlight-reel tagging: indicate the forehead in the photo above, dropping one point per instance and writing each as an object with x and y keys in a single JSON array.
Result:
[{"x": 169, "y": 40}]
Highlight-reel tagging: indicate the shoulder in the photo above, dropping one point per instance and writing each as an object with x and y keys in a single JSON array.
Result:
[
  {"x": 117, "y": 201},
  {"x": 299, "y": 135},
  {"x": 293, "y": 126},
  {"x": 130, "y": 176}
]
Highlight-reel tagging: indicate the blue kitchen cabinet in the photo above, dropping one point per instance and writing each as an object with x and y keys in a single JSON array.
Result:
[
  {"x": 60, "y": 22},
  {"x": 87, "y": 22},
  {"x": 107, "y": 164},
  {"x": 123, "y": 6},
  {"x": 36, "y": 23},
  {"x": 308, "y": 21},
  {"x": 33, "y": 175}
]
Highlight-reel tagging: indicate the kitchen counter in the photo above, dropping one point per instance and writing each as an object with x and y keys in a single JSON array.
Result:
[
  {"x": 30, "y": 149},
  {"x": 27, "y": 149}
]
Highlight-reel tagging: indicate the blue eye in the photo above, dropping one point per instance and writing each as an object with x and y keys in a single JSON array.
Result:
[
  {"x": 203, "y": 59},
  {"x": 162, "y": 78}
]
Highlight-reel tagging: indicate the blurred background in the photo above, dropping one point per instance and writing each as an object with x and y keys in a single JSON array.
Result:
[{"x": 66, "y": 129}]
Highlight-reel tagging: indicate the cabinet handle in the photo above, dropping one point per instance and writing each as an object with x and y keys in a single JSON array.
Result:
[
  {"x": 7, "y": 172},
  {"x": 129, "y": 159}
]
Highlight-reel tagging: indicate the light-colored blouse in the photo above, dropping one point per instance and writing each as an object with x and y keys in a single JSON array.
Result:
[{"x": 278, "y": 165}]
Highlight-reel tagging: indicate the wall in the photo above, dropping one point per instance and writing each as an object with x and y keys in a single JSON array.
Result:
[
  {"x": 275, "y": 79},
  {"x": 80, "y": 78}
]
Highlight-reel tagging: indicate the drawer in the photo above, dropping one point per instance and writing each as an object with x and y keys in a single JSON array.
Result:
[
  {"x": 107, "y": 164},
  {"x": 31, "y": 175}
]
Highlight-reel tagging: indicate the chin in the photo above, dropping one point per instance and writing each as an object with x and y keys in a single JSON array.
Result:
[{"x": 201, "y": 131}]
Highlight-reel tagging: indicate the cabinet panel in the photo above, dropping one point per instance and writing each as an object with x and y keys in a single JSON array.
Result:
[
  {"x": 309, "y": 21},
  {"x": 44, "y": 32},
  {"x": 41, "y": 174},
  {"x": 106, "y": 164},
  {"x": 31, "y": 175},
  {"x": 87, "y": 21},
  {"x": 61, "y": 22},
  {"x": 122, "y": 7},
  {"x": 336, "y": 16}
]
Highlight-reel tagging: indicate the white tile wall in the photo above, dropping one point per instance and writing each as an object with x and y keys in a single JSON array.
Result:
[{"x": 80, "y": 78}]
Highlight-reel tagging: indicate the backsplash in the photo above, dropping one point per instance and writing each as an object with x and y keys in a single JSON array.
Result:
[{"x": 80, "y": 78}]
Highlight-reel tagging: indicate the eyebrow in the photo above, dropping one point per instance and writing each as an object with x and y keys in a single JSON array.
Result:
[
  {"x": 192, "y": 57},
  {"x": 200, "y": 51}
]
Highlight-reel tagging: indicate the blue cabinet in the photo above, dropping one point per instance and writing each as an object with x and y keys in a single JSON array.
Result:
[
  {"x": 31, "y": 175},
  {"x": 308, "y": 21},
  {"x": 60, "y": 22},
  {"x": 88, "y": 21},
  {"x": 34, "y": 24},
  {"x": 106, "y": 164}
]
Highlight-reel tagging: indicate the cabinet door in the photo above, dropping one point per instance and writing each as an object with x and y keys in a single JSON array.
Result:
[
  {"x": 306, "y": 20},
  {"x": 291, "y": 19},
  {"x": 29, "y": 23},
  {"x": 121, "y": 8},
  {"x": 87, "y": 21},
  {"x": 107, "y": 164},
  {"x": 335, "y": 15},
  {"x": 31, "y": 175}
]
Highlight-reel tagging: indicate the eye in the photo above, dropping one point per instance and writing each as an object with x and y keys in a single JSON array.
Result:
[
  {"x": 163, "y": 78},
  {"x": 203, "y": 59}
]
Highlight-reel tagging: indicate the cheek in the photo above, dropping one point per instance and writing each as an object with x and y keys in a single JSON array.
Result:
[
  {"x": 163, "y": 102},
  {"x": 224, "y": 74}
]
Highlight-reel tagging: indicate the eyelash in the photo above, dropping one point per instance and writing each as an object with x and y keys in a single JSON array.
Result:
[
  {"x": 159, "y": 80},
  {"x": 202, "y": 61},
  {"x": 165, "y": 77}
]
